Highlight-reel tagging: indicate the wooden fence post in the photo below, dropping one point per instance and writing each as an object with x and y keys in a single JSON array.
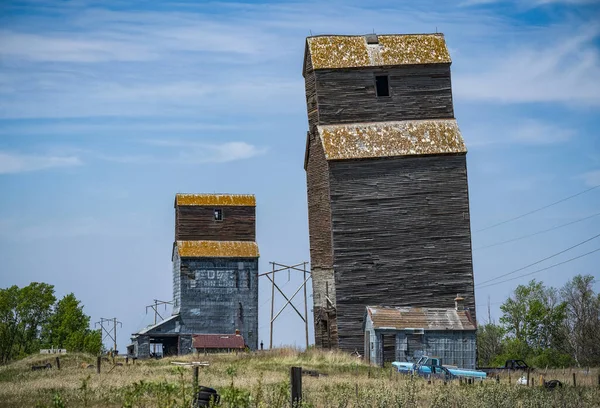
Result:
[
  {"x": 296, "y": 382},
  {"x": 195, "y": 381},
  {"x": 497, "y": 378},
  {"x": 98, "y": 364},
  {"x": 57, "y": 362},
  {"x": 574, "y": 380},
  {"x": 528, "y": 371}
]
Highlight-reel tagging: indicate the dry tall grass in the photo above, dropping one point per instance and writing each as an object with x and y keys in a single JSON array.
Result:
[{"x": 261, "y": 380}]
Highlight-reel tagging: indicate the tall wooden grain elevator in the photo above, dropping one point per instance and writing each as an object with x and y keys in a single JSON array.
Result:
[{"x": 386, "y": 178}]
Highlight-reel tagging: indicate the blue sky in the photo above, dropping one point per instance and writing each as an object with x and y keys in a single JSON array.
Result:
[{"x": 107, "y": 109}]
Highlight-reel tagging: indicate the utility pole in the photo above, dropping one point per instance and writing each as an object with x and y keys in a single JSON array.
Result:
[
  {"x": 489, "y": 313},
  {"x": 156, "y": 314},
  {"x": 108, "y": 332},
  {"x": 155, "y": 308},
  {"x": 277, "y": 267}
]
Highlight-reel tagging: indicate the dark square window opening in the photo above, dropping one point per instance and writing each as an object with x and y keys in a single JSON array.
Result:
[
  {"x": 218, "y": 214},
  {"x": 382, "y": 85}
]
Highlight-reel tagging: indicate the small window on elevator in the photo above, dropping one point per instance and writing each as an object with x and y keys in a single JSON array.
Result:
[
  {"x": 218, "y": 214},
  {"x": 382, "y": 85}
]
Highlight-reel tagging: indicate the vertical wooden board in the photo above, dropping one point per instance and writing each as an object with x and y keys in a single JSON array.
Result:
[{"x": 401, "y": 236}]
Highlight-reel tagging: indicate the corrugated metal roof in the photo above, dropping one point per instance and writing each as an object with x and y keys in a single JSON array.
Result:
[
  {"x": 388, "y": 139},
  {"x": 218, "y": 341},
  {"x": 218, "y": 249},
  {"x": 345, "y": 51},
  {"x": 401, "y": 318},
  {"x": 221, "y": 200},
  {"x": 150, "y": 328}
]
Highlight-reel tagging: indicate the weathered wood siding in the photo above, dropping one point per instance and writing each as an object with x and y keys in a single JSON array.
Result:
[
  {"x": 401, "y": 236},
  {"x": 319, "y": 225},
  {"x": 218, "y": 296},
  {"x": 416, "y": 92},
  {"x": 197, "y": 223}
]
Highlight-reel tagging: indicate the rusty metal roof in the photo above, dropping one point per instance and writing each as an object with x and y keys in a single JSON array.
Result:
[
  {"x": 221, "y": 200},
  {"x": 389, "y": 139},
  {"x": 218, "y": 341},
  {"x": 352, "y": 51},
  {"x": 217, "y": 249},
  {"x": 401, "y": 318}
]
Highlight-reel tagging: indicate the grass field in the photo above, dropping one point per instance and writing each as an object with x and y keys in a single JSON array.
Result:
[{"x": 262, "y": 380}]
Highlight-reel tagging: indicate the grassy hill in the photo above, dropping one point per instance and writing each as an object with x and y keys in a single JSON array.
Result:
[{"x": 262, "y": 380}]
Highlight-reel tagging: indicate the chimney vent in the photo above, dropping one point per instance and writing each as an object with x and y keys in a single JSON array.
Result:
[
  {"x": 459, "y": 303},
  {"x": 372, "y": 39},
  {"x": 237, "y": 332}
]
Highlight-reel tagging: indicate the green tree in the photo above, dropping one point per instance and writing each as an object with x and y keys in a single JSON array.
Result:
[
  {"x": 9, "y": 322},
  {"x": 534, "y": 319},
  {"x": 489, "y": 343},
  {"x": 34, "y": 309},
  {"x": 23, "y": 311},
  {"x": 68, "y": 327},
  {"x": 534, "y": 315},
  {"x": 583, "y": 319}
]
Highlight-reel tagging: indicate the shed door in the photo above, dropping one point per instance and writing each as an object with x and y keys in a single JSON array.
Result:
[
  {"x": 415, "y": 343},
  {"x": 389, "y": 347}
]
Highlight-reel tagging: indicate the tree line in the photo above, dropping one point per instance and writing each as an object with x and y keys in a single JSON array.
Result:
[
  {"x": 31, "y": 319},
  {"x": 546, "y": 326}
]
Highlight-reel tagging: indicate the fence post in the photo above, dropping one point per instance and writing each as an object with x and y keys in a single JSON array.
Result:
[
  {"x": 98, "y": 364},
  {"x": 497, "y": 378},
  {"x": 58, "y": 363},
  {"x": 528, "y": 371},
  {"x": 574, "y": 380},
  {"x": 195, "y": 381},
  {"x": 296, "y": 382}
]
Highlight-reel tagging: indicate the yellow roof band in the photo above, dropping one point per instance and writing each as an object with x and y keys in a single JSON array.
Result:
[
  {"x": 389, "y": 139},
  {"x": 218, "y": 249},
  {"x": 338, "y": 52},
  {"x": 216, "y": 199}
]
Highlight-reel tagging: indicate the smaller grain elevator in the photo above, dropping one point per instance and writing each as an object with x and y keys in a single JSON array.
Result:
[
  {"x": 215, "y": 274},
  {"x": 215, "y": 265}
]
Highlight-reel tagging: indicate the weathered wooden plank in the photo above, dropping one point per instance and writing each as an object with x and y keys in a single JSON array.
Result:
[
  {"x": 416, "y": 92},
  {"x": 197, "y": 223},
  {"x": 401, "y": 236}
]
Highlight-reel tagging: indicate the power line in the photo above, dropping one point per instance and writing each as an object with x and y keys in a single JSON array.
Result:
[
  {"x": 537, "y": 262},
  {"x": 536, "y": 233},
  {"x": 537, "y": 209},
  {"x": 543, "y": 269}
]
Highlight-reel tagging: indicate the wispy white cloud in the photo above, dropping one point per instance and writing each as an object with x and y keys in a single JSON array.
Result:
[
  {"x": 11, "y": 162},
  {"x": 591, "y": 178},
  {"x": 519, "y": 132},
  {"x": 188, "y": 152},
  {"x": 562, "y": 68},
  {"x": 25, "y": 230},
  {"x": 528, "y": 3}
]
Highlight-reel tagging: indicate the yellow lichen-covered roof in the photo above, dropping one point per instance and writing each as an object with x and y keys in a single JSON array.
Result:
[
  {"x": 389, "y": 139},
  {"x": 217, "y": 249},
  {"x": 216, "y": 199},
  {"x": 337, "y": 51}
]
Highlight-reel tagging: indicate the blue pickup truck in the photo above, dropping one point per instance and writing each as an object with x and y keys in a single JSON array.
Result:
[{"x": 433, "y": 366}]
